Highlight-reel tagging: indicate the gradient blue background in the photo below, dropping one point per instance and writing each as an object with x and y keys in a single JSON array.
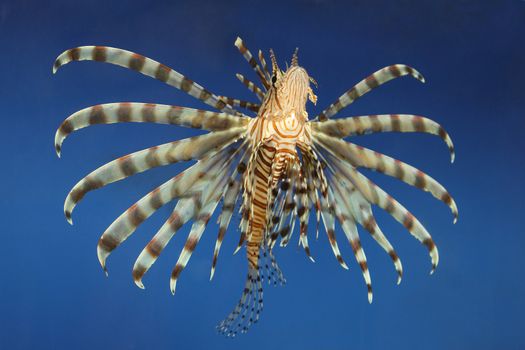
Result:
[{"x": 53, "y": 294}]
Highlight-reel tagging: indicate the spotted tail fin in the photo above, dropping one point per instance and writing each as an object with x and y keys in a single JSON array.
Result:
[{"x": 247, "y": 310}]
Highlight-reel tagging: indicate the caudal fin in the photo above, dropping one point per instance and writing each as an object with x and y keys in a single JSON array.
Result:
[
  {"x": 271, "y": 272},
  {"x": 249, "y": 308}
]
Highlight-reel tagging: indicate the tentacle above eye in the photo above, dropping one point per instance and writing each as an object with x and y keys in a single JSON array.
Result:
[
  {"x": 359, "y": 156},
  {"x": 110, "y": 113},
  {"x": 144, "y": 65},
  {"x": 187, "y": 149},
  {"x": 371, "y": 82},
  {"x": 367, "y": 124}
]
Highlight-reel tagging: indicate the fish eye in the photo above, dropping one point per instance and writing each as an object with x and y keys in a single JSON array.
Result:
[{"x": 274, "y": 79}]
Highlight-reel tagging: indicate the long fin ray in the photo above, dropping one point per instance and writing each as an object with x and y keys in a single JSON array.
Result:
[
  {"x": 376, "y": 195},
  {"x": 367, "y": 124},
  {"x": 135, "y": 112},
  {"x": 137, "y": 162},
  {"x": 359, "y": 156},
  {"x": 144, "y": 65},
  {"x": 129, "y": 220},
  {"x": 369, "y": 83},
  {"x": 251, "y": 60}
]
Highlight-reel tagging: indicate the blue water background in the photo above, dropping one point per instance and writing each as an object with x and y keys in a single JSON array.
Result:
[{"x": 53, "y": 293}]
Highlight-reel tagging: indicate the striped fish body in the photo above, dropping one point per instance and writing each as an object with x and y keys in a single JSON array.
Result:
[{"x": 275, "y": 143}]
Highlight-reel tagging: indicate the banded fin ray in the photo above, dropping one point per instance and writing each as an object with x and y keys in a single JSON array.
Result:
[
  {"x": 144, "y": 65},
  {"x": 137, "y": 162},
  {"x": 129, "y": 220},
  {"x": 264, "y": 66},
  {"x": 254, "y": 107},
  {"x": 185, "y": 210},
  {"x": 376, "y": 195},
  {"x": 231, "y": 196},
  {"x": 328, "y": 214},
  {"x": 123, "y": 112},
  {"x": 369, "y": 83},
  {"x": 355, "y": 207},
  {"x": 350, "y": 230},
  {"x": 367, "y": 124},
  {"x": 210, "y": 199},
  {"x": 251, "y": 86},
  {"x": 359, "y": 156},
  {"x": 251, "y": 60},
  {"x": 197, "y": 205}
]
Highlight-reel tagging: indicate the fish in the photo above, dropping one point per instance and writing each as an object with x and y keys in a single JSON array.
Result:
[{"x": 265, "y": 160}]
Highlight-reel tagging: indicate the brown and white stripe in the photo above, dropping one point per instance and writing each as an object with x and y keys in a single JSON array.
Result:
[
  {"x": 354, "y": 203},
  {"x": 371, "y": 82},
  {"x": 285, "y": 209},
  {"x": 135, "y": 112},
  {"x": 254, "y": 107},
  {"x": 283, "y": 166},
  {"x": 185, "y": 210},
  {"x": 367, "y": 124},
  {"x": 368, "y": 221},
  {"x": 264, "y": 66},
  {"x": 289, "y": 213},
  {"x": 198, "y": 206},
  {"x": 328, "y": 215},
  {"x": 251, "y": 60},
  {"x": 210, "y": 198},
  {"x": 129, "y": 220},
  {"x": 251, "y": 86},
  {"x": 344, "y": 215},
  {"x": 303, "y": 214},
  {"x": 248, "y": 308},
  {"x": 230, "y": 198},
  {"x": 137, "y": 162},
  {"x": 144, "y": 65},
  {"x": 349, "y": 228},
  {"x": 359, "y": 156},
  {"x": 231, "y": 195},
  {"x": 315, "y": 180},
  {"x": 375, "y": 195}
]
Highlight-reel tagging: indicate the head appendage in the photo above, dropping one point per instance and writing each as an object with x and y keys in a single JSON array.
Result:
[
  {"x": 295, "y": 59},
  {"x": 313, "y": 81},
  {"x": 275, "y": 66}
]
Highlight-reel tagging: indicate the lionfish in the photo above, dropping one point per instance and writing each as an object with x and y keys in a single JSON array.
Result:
[{"x": 276, "y": 168}]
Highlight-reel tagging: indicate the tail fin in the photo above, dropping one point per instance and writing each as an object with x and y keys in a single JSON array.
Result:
[
  {"x": 271, "y": 271},
  {"x": 249, "y": 308},
  {"x": 247, "y": 311}
]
